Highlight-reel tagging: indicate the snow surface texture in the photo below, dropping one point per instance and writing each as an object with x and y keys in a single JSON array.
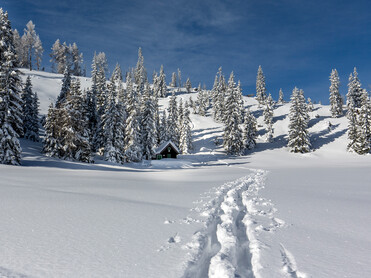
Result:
[{"x": 271, "y": 213}]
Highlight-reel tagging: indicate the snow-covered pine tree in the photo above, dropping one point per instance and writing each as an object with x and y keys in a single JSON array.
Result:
[
  {"x": 280, "y": 97},
  {"x": 172, "y": 120},
  {"x": 310, "y": 106},
  {"x": 240, "y": 102},
  {"x": 133, "y": 146},
  {"x": 140, "y": 74},
  {"x": 11, "y": 126},
  {"x": 336, "y": 101},
  {"x": 361, "y": 143},
  {"x": 173, "y": 80},
  {"x": 66, "y": 86},
  {"x": 30, "y": 112},
  {"x": 180, "y": 113},
  {"x": 101, "y": 91},
  {"x": 161, "y": 83},
  {"x": 219, "y": 98},
  {"x": 32, "y": 46},
  {"x": 92, "y": 116},
  {"x": 268, "y": 117},
  {"x": 249, "y": 131},
  {"x": 113, "y": 121},
  {"x": 201, "y": 101},
  {"x": 232, "y": 133},
  {"x": 179, "y": 78},
  {"x": 354, "y": 104},
  {"x": 77, "y": 60},
  {"x": 188, "y": 86},
  {"x": 148, "y": 122},
  {"x": 185, "y": 144},
  {"x": 51, "y": 145},
  {"x": 261, "y": 92},
  {"x": 163, "y": 129},
  {"x": 354, "y": 94},
  {"x": 298, "y": 126},
  {"x": 74, "y": 133}
]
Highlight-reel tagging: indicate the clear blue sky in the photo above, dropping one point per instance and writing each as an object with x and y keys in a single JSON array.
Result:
[{"x": 296, "y": 42}]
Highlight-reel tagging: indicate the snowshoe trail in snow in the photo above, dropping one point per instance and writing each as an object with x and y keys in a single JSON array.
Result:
[
  {"x": 228, "y": 247},
  {"x": 289, "y": 264}
]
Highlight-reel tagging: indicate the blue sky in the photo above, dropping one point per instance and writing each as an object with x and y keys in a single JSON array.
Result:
[{"x": 296, "y": 42}]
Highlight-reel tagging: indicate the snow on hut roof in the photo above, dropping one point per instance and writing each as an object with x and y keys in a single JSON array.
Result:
[{"x": 164, "y": 145}]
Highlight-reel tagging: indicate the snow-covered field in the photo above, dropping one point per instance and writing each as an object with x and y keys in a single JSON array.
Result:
[{"x": 270, "y": 213}]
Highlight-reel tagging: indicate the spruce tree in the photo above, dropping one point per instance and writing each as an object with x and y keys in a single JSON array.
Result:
[
  {"x": 362, "y": 141},
  {"x": 161, "y": 85},
  {"x": 52, "y": 145},
  {"x": 249, "y": 131},
  {"x": 280, "y": 97},
  {"x": 173, "y": 80},
  {"x": 310, "y": 106},
  {"x": 164, "y": 131},
  {"x": 188, "y": 85},
  {"x": 11, "y": 126},
  {"x": 185, "y": 144},
  {"x": 298, "y": 126},
  {"x": 30, "y": 112},
  {"x": 66, "y": 86},
  {"x": 75, "y": 134},
  {"x": 261, "y": 93},
  {"x": 219, "y": 97},
  {"x": 148, "y": 123},
  {"x": 201, "y": 101},
  {"x": 113, "y": 121},
  {"x": 268, "y": 117},
  {"x": 336, "y": 101},
  {"x": 232, "y": 133},
  {"x": 172, "y": 120}
]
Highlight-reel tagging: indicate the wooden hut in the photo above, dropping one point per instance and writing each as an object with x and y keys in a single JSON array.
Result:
[{"x": 167, "y": 150}]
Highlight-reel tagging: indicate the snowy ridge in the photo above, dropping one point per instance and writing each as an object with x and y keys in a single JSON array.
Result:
[{"x": 227, "y": 247}]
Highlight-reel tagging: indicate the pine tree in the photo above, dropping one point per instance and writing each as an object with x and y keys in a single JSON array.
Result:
[
  {"x": 140, "y": 74},
  {"x": 310, "y": 106},
  {"x": 249, "y": 131},
  {"x": 172, "y": 120},
  {"x": 280, "y": 97},
  {"x": 232, "y": 133},
  {"x": 74, "y": 129},
  {"x": 179, "y": 78},
  {"x": 361, "y": 143},
  {"x": 268, "y": 117},
  {"x": 52, "y": 140},
  {"x": 261, "y": 93},
  {"x": 188, "y": 85},
  {"x": 133, "y": 146},
  {"x": 11, "y": 126},
  {"x": 149, "y": 138},
  {"x": 219, "y": 96},
  {"x": 114, "y": 130},
  {"x": 185, "y": 144},
  {"x": 32, "y": 46},
  {"x": 173, "y": 80},
  {"x": 201, "y": 101},
  {"x": 161, "y": 84},
  {"x": 336, "y": 101},
  {"x": 354, "y": 94},
  {"x": 58, "y": 57},
  {"x": 164, "y": 134},
  {"x": 298, "y": 127},
  {"x": 30, "y": 112},
  {"x": 66, "y": 86}
]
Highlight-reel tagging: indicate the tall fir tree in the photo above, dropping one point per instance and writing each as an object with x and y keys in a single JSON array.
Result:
[
  {"x": 188, "y": 85},
  {"x": 268, "y": 117},
  {"x": 172, "y": 120},
  {"x": 66, "y": 86},
  {"x": 185, "y": 144},
  {"x": 249, "y": 131},
  {"x": 11, "y": 126},
  {"x": 280, "y": 97},
  {"x": 261, "y": 92},
  {"x": 30, "y": 112},
  {"x": 74, "y": 133},
  {"x": 298, "y": 126},
  {"x": 148, "y": 123},
  {"x": 232, "y": 133},
  {"x": 161, "y": 83},
  {"x": 52, "y": 145},
  {"x": 113, "y": 121},
  {"x": 361, "y": 143},
  {"x": 219, "y": 96},
  {"x": 173, "y": 80},
  {"x": 336, "y": 101}
]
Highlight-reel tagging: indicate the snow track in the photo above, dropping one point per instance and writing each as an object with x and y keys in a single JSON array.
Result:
[{"x": 227, "y": 247}]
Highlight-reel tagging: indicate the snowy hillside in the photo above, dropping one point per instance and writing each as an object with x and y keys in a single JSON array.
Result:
[{"x": 270, "y": 213}]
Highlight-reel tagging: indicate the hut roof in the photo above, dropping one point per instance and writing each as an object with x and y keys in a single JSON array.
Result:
[{"x": 166, "y": 144}]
